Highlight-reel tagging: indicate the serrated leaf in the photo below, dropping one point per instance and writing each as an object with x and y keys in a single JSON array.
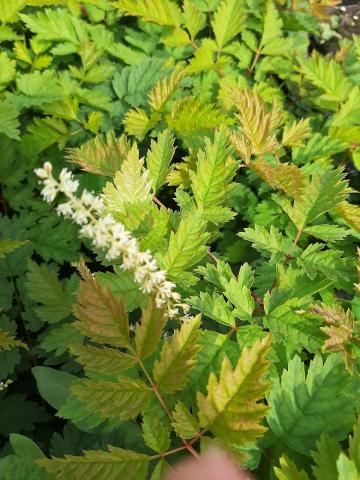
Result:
[
  {"x": 7, "y": 341},
  {"x": 350, "y": 213},
  {"x": 314, "y": 260},
  {"x": 302, "y": 408},
  {"x": 40, "y": 87},
  {"x": 177, "y": 357},
  {"x": 162, "y": 12},
  {"x": 102, "y": 155},
  {"x": 325, "y": 192},
  {"x": 55, "y": 25},
  {"x": 283, "y": 176},
  {"x": 187, "y": 246},
  {"x": 164, "y": 89},
  {"x": 346, "y": 468},
  {"x": 112, "y": 465},
  {"x": 124, "y": 399},
  {"x": 45, "y": 288},
  {"x": 294, "y": 134},
  {"x": 327, "y": 233},
  {"x": 159, "y": 158},
  {"x": 267, "y": 241},
  {"x": 191, "y": 115},
  {"x": 130, "y": 185},
  {"x": 228, "y": 21},
  {"x": 215, "y": 169},
  {"x": 101, "y": 316},
  {"x": 325, "y": 456},
  {"x": 8, "y": 246},
  {"x": 195, "y": 19},
  {"x": 184, "y": 422},
  {"x": 9, "y": 10},
  {"x": 138, "y": 123},
  {"x": 271, "y": 41},
  {"x": 57, "y": 339},
  {"x": 328, "y": 76},
  {"x": 232, "y": 410},
  {"x": 104, "y": 361},
  {"x": 149, "y": 331},
  {"x": 156, "y": 433},
  {"x": 240, "y": 296},
  {"x": 9, "y": 123},
  {"x": 257, "y": 124},
  {"x": 213, "y": 306},
  {"x": 289, "y": 471},
  {"x": 7, "y": 69}
]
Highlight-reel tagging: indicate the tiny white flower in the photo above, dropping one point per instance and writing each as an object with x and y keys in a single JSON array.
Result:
[
  {"x": 50, "y": 189},
  {"x": 112, "y": 236},
  {"x": 45, "y": 171},
  {"x": 65, "y": 209},
  {"x": 67, "y": 182}
]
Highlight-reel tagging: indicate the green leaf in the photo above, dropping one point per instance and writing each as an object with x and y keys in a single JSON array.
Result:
[
  {"x": 177, "y": 357},
  {"x": 45, "y": 288},
  {"x": 40, "y": 87},
  {"x": 9, "y": 123},
  {"x": 294, "y": 134},
  {"x": 7, "y": 70},
  {"x": 156, "y": 433},
  {"x": 330, "y": 263},
  {"x": 164, "y": 89},
  {"x": 213, "y": 306},
  {"x": 24, "y": 447},
  {"x": 303, "y": 408},
  {"x": 103, "y": 361},
  {"x": 55, "y": 25},
  {"x": 102, "y": 155},
  {"x": 272, "y": 42},
  {"x": 53, "y": 385},
  {"x": 101, "y": 316},
  {"x": 58, "y": 338},
  {"x": 184, "y": 422},
  {"x": 9, "y": 11},
  {"x": 346, "y": 468},
  {"x": 149, "y": 331},
  {"x": 195, "y": 20},
  {"x": 122, "y": 284},
  {"x": 325, "y": 192},
  {"x": 239, "y": 293},
  {"x": 325, "y": 456},
  {"x": 187, "y": 246},
  {"x": 162, "y": 12},
  {"x": 327, "y": 75},
  {"x": 327, "y": 233},
  {"x": 134, "y": 83},
  {"x": 289, "y": 471},
  {"x": 215, "y": 168},
  {"x": 232, "y": 410},
  {"x": 7, "y": 341},
  {"x": 8, "y": 246},
  {"x": 124, "y": 399},
  {"x": 354, "y": 445},
  {"x": 130, "y": 185},
  {"x": 112, "y": 464},
  {"x": 268, "y": 241},
  {"x": 159, "y": 158},
  {"x": 229, "y": 20},
  {"x": 18, "y": 414},
  {"x": 192, "y": 115}
]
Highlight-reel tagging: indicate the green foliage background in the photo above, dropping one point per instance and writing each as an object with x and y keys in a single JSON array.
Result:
[{"x": 249, "y": 132}]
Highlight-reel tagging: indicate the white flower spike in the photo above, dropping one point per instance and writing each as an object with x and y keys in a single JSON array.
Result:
[{"x": 109, "y": 235}]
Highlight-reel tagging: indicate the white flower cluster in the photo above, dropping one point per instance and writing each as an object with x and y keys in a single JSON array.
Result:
[
  {"x": 4, "y": 385},
  {"x": 109, "y": 235}
]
